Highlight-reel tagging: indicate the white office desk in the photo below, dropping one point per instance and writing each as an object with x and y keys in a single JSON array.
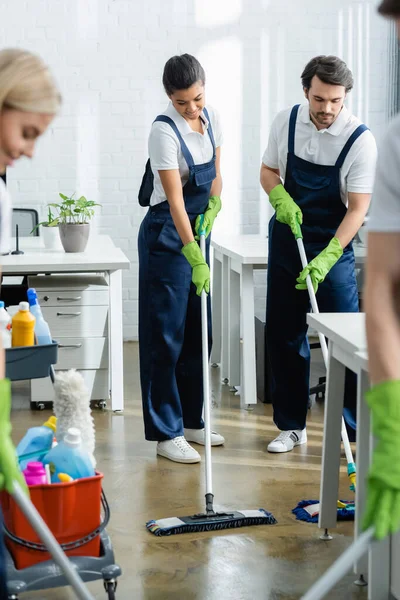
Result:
[
  {"x": 100, "y": 256},
  {"x": 235, "y": 259},
  {"x": 347, "y": 348}
]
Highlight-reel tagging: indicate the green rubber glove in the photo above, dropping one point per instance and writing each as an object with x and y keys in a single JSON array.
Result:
[
  {"x": 213, "y": 208},
  {"x": 383, "y": 485},
  {"x": 286, "y": 209},
  {"x": 320, "y": 266},
  {"x": 9, "y": 468},
  {"x": 201, "y": 271}
]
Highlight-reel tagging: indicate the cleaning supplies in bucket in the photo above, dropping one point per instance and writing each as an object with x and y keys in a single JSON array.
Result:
[
  {"x": 23, "y": 327},
  {"x": 42, "y": 330},
  {"x": 69, "y": 457},
  {"x": 37, "y": 441}
]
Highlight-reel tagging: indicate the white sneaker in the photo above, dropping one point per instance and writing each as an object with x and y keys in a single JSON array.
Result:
[
  {"x": 178, "y": 450},
  {"x": 198, "y": 436},
  {"x": 287, "y": 440}
]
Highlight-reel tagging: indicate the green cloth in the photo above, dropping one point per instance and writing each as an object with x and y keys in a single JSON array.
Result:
[
  {"x": 201, "y": 271},
  {"x": 320, "y": 266},
  {"x": 213, "y": 208},
  {"x": 383, "y": 484},
  {"x": 9, "y": 467},
  {"x": 286, "y": 209}
]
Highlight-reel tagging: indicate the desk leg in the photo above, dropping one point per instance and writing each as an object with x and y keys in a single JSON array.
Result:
[
  {"x": 331, "y": 445},
  {"x": 116, "y": 341},
  {"x": 234, "y": 329},
  {"x": 225, "y": 319},
  {"x": 363, "y": 452},
  {"x": 216, "y": 301},
  {"x": 380, "y": 564},
  {"x": 248, "y": 393}
]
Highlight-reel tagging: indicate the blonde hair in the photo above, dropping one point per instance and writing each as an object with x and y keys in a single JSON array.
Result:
[{"x": 26, "y": 83}]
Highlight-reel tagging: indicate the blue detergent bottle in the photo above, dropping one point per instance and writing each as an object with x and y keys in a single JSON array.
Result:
[
  {"x": 37, "y": 441},
  {"x": 42, "y": 330},
  {"x": 69, "y": 457}
]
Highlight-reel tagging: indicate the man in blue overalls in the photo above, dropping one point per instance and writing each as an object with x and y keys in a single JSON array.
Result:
[{"x": 326, "y": 159}]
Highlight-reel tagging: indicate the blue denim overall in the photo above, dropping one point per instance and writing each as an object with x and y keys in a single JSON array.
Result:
[
  {"x": 316, "y": 189},
  {"x": 170, "y": 310}
]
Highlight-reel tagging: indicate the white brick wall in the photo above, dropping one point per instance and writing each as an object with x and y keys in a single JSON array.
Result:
[{"x": 108, "y": 57}]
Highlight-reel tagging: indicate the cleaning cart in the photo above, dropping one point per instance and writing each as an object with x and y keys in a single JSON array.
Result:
[{"x": 70, "y": 510}]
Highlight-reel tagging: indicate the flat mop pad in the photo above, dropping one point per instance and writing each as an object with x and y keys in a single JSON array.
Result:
[
  {"x": 308, "y": 510},
  {"x": 211, "y": 522}
]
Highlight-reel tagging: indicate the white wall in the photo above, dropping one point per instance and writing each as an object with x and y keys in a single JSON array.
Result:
[{"x": 108, "y": 57}]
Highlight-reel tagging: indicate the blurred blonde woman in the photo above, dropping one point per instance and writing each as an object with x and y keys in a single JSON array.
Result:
[{"x": 29, "y": 100}]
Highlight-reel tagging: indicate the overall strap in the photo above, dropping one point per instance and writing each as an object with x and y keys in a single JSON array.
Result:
[
  {"x": 346, "y": 149},
  {"x": 210, "y": 131},
  {"x": 292, "y": 127},
  {"x": 184, "y": 148}
]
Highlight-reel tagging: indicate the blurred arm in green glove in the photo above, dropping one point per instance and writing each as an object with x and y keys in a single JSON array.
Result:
[
  {"x": 319, "y": 267},
  {"x": 383, "y": 499},
  {"x": 213, "y": 208},
  {"x": 9, "y": 468},
  {"x": 381, "y": 304},
  {"x": 201, "y": 271}
]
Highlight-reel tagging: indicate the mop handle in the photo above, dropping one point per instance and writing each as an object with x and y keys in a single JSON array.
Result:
[
  {"x": 340, "y": 567},
  {"x": 322, "y": 340},
  {"x": 206, "y": 375},
  {"x": 51, "y": 543}
]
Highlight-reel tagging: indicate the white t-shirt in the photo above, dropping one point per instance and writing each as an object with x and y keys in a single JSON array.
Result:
[
  {"x": 165, "y": 150},
  {"x": 323, "y": 147},
  {"x": 384, "y": 213},
  {"x": 5, "y": 219}
]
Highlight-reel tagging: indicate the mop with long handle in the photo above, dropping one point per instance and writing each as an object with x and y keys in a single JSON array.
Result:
[
  {"x": 351, "y": 467},
  {"x": 51, "y": 543},
  {"x": 209, "y": 520}
]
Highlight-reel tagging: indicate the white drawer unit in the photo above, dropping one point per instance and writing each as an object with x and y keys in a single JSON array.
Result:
[{"x": 76, "y": 309}]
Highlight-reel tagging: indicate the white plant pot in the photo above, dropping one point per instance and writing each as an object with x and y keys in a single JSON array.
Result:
[{"x": 51, "y": 238}]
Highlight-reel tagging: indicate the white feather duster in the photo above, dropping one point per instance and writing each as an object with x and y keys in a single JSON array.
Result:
[{"x": 72, "y": 408}]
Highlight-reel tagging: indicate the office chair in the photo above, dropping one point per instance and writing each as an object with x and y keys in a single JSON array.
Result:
[{"x": 26, "y": 219}]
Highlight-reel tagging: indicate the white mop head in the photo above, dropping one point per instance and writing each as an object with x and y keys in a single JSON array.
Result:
[{"x": 72, "y": 408}]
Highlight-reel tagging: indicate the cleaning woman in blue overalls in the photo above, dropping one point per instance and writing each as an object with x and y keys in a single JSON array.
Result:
[
  {"x": 181, "y": 182},
  {"x": 326, "y": 159}
]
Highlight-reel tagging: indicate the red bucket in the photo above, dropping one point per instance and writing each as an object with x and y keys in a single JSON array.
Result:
[{"x": 71, "y": 510}]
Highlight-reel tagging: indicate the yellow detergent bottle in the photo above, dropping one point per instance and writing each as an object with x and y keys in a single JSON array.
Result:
[{"x": 23, "y": 327}]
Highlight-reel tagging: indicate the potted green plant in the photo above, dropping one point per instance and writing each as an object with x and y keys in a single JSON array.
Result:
[
  {"x": 50, "y": 232},
  {"x": 74, "y": 215}
]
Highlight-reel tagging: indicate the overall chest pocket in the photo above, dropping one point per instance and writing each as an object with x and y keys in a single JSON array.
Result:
[{"x": 311, "y": 181}]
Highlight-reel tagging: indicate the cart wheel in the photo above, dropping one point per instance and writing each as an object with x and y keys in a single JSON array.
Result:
[
  {"x": 40, "y": 406},
  {"x": 110, "y": 587},
  {"x": 102, "y": 404}
]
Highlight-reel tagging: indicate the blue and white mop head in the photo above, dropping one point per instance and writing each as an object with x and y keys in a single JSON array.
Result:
[
  {"x": 72, "y": 408},
  {"x": 215, "y": 522},
  {"x": 308, "y": 510}
]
